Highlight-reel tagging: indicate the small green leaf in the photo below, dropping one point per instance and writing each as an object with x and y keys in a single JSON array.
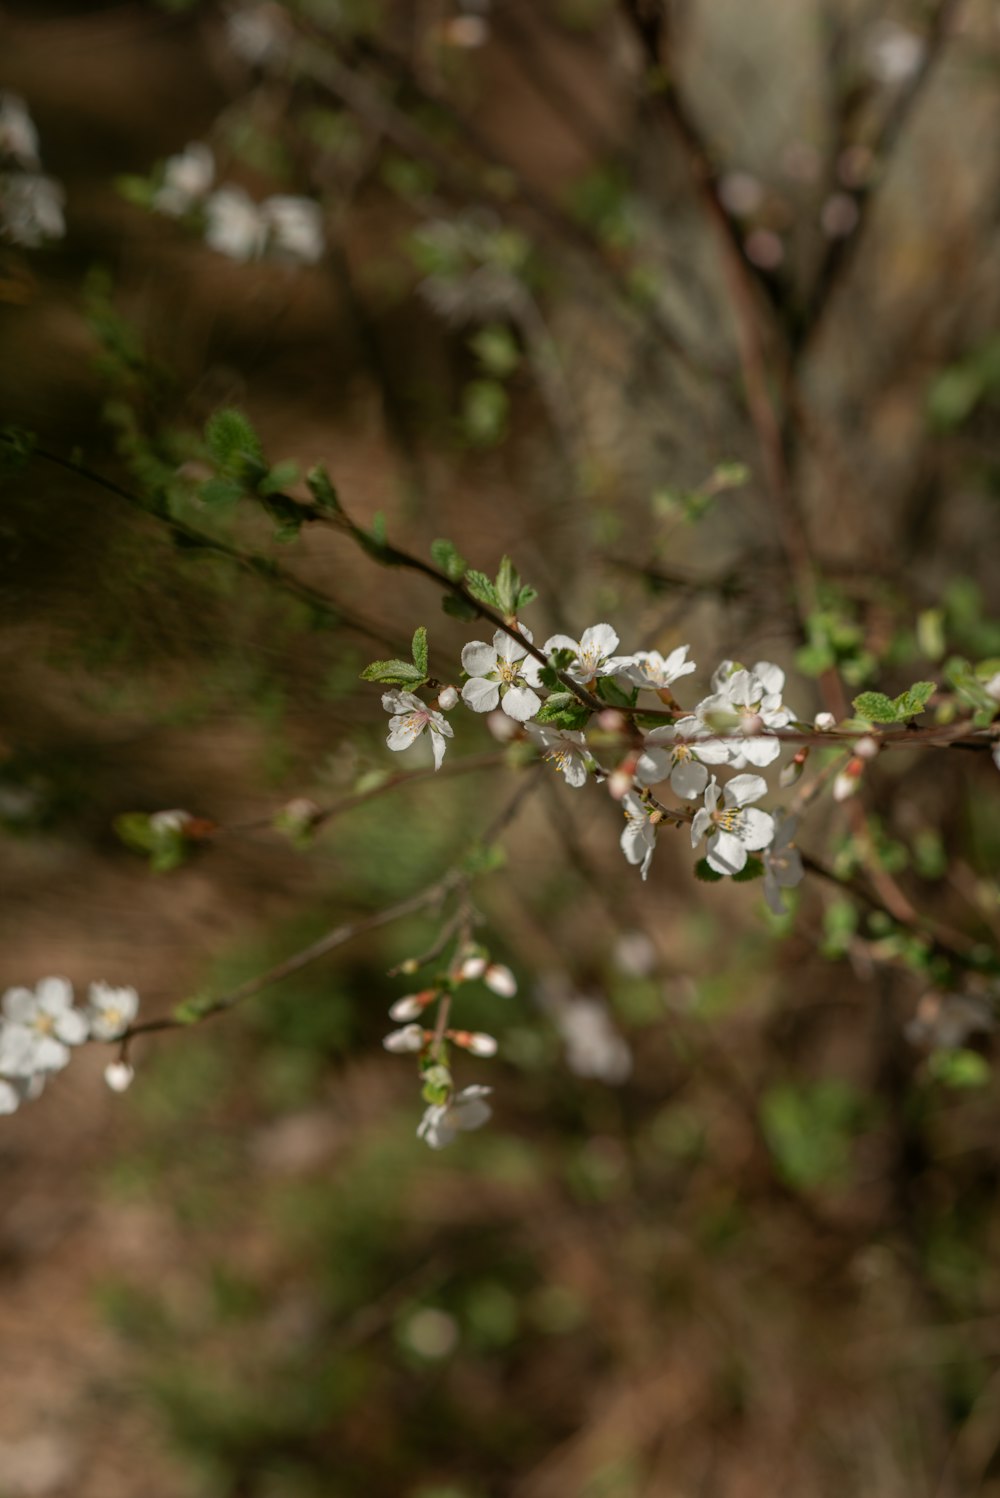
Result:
[
  {"x": 479, "y": 585},
  {"x": 705, "y": 873},
  {"x": 876, "y": 707},
  {"x": 447, "y": 557},
  {"x": 394, "y": 673},
  {"x": 419, "y": 648},
  {"x": 527, "y": 595},
  {"x": 962, "y": 1069},
  {"x": 322, "y": 491},
  {"x": 279, "y": 478},
  {"x": 752, "y": 869},
  {"x": 217, "y": 493},
  {"x": 236, "y": 448},
  {"x": 914, "y": 700},
  {"x": 508, "y": 586},
  {"x": 609, "y": 691},
  {"x": 190, "y": 1011},
  {"x": 563, "y": 710}
]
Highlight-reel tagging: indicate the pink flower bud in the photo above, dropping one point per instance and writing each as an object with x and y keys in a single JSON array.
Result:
[
  {"x": 500, "y": 980},
  {"x": 846, "y": 783},
  {"x": 447, "y": 698},
  {"x": 792, "y": 771},
  {"x": 611, "y": 721},
  {"x": 411, "y": 1006}
]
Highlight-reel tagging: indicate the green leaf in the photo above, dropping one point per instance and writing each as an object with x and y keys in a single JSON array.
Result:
[
  {"x": 527, "y": 595},
  {"x": 419, "y": 648},
  {"x": 394, "y": 673},
  {"x": 485, "y": 405},
  {"x": 959, "y": 1069},
  {"x": 609, "y": 691},
  {"x": 508, "y": 586},
  {"x": 236, "y": 448},
  {"x": 496, "y": 349},
  {"x": 479, "y": 585},
  {"x": 970, "y": 687},
  {"x": 278, "y": 478},
  {"x": 378, "y": 531},
  {"x": 190, "y": 1011},
  {"x": 459, "y": 608},
  {"x": 446, "y": 555},
  {"x": 134, "y": 830},
  {"x": 752, "y": 869},
  {"x": 703, "y": 870},
  {"x": 322, "y": 491},
  {"x": 563, "y": 710},
  {"x": 914, "y": 700},
  {"x": 217, "y": 493},
  {"x": 876, "y": 707}
]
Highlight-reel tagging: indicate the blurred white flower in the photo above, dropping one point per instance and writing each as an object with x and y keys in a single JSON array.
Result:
[
  {"x": 945, "y": 1021},
  {"x": 893, "y": 53},
  {"x": 39, "y": 1027},
  {"x": 258, "y": 34},
  {"x": 119, "y": 1076},
  {"x": 234, "y": 225},
  {"x": 635, "y": 954},
  {"x": 295, "y": 227},
  {"x": 594, "y": 1048},
  {"x": 410, "y": 716},
  {"x": 410, "y": 1038},
  {"x": 18, "y": 136},
  {"x": 740, "y": 193},
  {"x": 500, "y": 980},
  {"x": 31, "y": 208},
  {"x": 782, "y": 863},
  {"x": 465, "y": 1111},
  {"x": 110, "y": 1011},
  {"x": 638, "y": 839},
  {"x": 187, "y": 179}
]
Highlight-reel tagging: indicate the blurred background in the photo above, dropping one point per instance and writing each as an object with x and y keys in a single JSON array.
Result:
[{"x": 693, "y": 309}]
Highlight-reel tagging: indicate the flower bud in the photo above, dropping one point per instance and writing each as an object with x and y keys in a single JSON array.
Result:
[
  {"x": 447, "y": 699},
  {"x": 170, "y": 821},
  {"x": 119, "y": 1075},
  {"x": 866, "y": 748},
  {"x": 791, "y": 772},
  {"x": 611, "y": 721},
  {"x": 621, "y": 778},
  {"x": 410, "y": 1038},
  {"x": 823, "y": 722},
  {"x": 992, "y": 687},
  {"x": 412, "y": 1005},
  {"x": 472, "y": 964},
  {"x": 846, "y": 783},
  {"x": 500, "y": 980},
  {"x": 476, "y": 1042}
]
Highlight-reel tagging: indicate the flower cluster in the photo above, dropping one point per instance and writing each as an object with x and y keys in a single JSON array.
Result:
[
  {"x": 285, "y": 227},
  {"x": 733, "y": 727},
  {"x": 425, "y": 1032},
  {"x": 40, "y": 1027},
  {"x": 31, "y": 204}
]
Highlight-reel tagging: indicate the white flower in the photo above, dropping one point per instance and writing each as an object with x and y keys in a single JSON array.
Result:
[
  {"x": 410, "y": 1038},
  {"x": 18, "y": 136},
  {"x": 478, "y": 1043},
  {"x": 119, "y": 1076},
  {"x": 592, "y": 652},
  {"x": 501, "y": 673},
  {"x": 945, "y": 1021},
  {"x": 738, "y": 829},
  {"x": 409, "y": 718},
  {"x": 782, "y": 863},
  {"x": 748, "y": 702},
  {"x": 651, "y": 670},
  {"x": 411, "y": 1005},
  {"x": 638, "y": 839},
  {"x": 110, "y": 1011},
  {"x": 692, "y": 747},
  {"x": 473, "y": 965},
  {"x": 296, "y": 227},
  {"x": 39, "y": 1027},
  {"x": 594, "y": 1047},
  {"x": 500, "y": 980},
  {"x": 466, "y": 1110},
  {"x": 31, "y": 208},
  {"x": 17, "y": 1090},
  {"x": 258, "y": 33},
  {"x": 233, "y": 224},
  {"x": 187, "y": 179},
  {"x": 893, "y": 53},
  {"x": 565, "y": 748}
]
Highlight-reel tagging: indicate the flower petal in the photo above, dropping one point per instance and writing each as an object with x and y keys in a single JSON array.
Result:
[
  {"x": 507, "y": 648},
  {"x": 688, "y": 779},
  {"x": 54, "y": 995},
  {"x": 726, "y": 853},
  {"x": 600, "y": 640},
  {"x": 478, "y": 659},
  {"x": 743, "y": 789},
  {"x": 756, "y": 829},
  {"x": 521, "y": 703},
  {"x": 481, "y": 695},
  {"x": 760, "y": 750},
  {"x": 654, "y": 765},
  {"x": 439, "y": 745}
]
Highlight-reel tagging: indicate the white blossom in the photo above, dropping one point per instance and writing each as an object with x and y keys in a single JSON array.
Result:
[
  {"x": 187, "y": 180},
  {"x": 478, "y": 1043},
  {"x": 473, "y": 964},
  {"x": 39, "y": 1027},
  {"x": 691, "y": 748},
  {"x": 748, "y": 702},
  {"x": 409, "y": 718},
  {"x": 592, "y": 653},
  {"x": 233, "y": 224},
  {"x": 464, "y": 1111},
  {"x": 18, "y": 136},
  {"x": 638, "y": 839},
  {"x": 110, "y": 1011},
  {"x": 945, "y": 1021},
  {"x": 650, "y": 670},
  {"x": 594, "y": 1047},
  {"x": 447, "y": 699},
  {"x": 566, "y": 749},
  {"x": 410, "y": 1038},
  {"x": 502, "y": 673},
  {"x": 258, "y": 34},
  {"x": 295, "y": 226},
  {"x": 782, "y": 863},
  {"x": 31, "y": 208},
  {"x": 893, "y": 53},
  {"x": 736, "y": 830}
]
